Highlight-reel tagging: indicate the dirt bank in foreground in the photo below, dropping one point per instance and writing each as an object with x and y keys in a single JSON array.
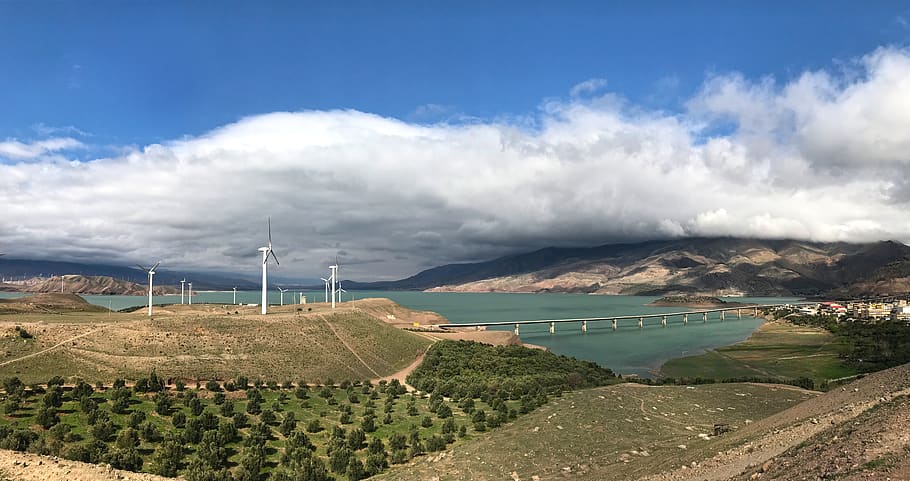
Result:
[{"x": 17, "y": 466}]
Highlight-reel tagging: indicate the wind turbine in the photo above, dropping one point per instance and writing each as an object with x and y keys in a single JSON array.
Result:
[
  {"x": 182, "y": 283},
  {"x": 235, "y": 295},
  {"x": 334, "y": 270},
  {"x": 191, "y": 293},
  {"x": 326, "y": 288},
  {"x": 151, "y": 273},
  {"x": 266, "y": 251},
  {"x": 282, "y": 291}
]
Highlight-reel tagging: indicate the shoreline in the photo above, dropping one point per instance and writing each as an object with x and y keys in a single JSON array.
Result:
[{"x": 657, "y": 371}]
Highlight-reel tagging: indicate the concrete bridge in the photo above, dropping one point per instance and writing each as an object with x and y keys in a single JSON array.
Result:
[{"x": 703, "y": 314}]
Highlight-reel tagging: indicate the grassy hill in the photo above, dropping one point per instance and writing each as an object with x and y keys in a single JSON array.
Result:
[
  {"x": 42, "y": 304},
  {"x": 204, "y": 342},
  {"x": 665, "y": 433},
  {"x": 616, "y": 432}
]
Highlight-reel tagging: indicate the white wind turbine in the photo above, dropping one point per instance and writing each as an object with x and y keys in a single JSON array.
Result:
[
  {"x": 151, "y": 273},
  {"x": 333, "y": 277},
  {"x": 282, "y": 291},
  {"x": 339, "y": 290},
  {"x": 266, "y": 251},
  {"x": 182, "y": 284},
  {"x": 190, "y": 296},
  {"x": 235, "y": 296},
  {"x": 326, "y": 288}
]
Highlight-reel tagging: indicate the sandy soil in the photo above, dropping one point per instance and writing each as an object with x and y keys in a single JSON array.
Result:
[{"x": 17, "y": 466}]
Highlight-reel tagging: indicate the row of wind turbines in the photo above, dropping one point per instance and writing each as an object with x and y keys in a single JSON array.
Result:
[{"x": 267, "y": 252}]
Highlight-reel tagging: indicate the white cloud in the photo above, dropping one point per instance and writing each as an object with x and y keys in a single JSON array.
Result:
[
  {"x": 823, "y": 157},
  {"x": 588, "y": 87},
  {"x": 14, "y": 149}
]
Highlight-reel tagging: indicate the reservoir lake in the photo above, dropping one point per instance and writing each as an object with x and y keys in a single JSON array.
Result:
[{"x": 628, "y": 350}]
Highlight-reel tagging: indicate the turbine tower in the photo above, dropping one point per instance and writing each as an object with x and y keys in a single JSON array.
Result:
[
  {"x": 235, "y": 295},
  {"x": 334, "y": 270},
  {"x": 326, "y": 288},
  {"x": 282, "y": 291},
  {"x": 266, "y": 251},
  {"x": 182, "y": 283},
  {"x": 151, "y": 273},
  {"x": 191, "y": 293}
]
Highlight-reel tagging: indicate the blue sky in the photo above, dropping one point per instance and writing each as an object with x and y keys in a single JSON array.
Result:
[
  {"x": 403, "y": 135},
  {"x": 143, "y": 72}
]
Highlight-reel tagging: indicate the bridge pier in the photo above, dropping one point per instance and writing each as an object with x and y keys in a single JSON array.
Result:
[
  {"x": 755, "y": 312},
  {"x": 663, "y": 321},
  {"x": 584, "y": 326},
  {"x": 641, "y": 322},
  {"x": 704, "y": 317},
  {"x": 614, "y": 324},
  {"x": 516, "y": 329},
  {"x": 739, "y": 313},
  {"x": 685, "y": 318},
  {"x": 552, "y": 328},
  {"x": 722, "y": 315}
]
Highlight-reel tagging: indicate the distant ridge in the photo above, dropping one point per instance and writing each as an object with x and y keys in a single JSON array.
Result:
[
  {"x": 702, "y": 266},
  {"x": 28, "y": 268}
]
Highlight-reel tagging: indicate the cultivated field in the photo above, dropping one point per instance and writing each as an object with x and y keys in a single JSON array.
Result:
[
  {"x": 203, "y": 342},
  {"x": 778, "y": 350},
  {"x": 278, "y": 413}
]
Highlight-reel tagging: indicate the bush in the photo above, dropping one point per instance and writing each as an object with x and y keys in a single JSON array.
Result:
[
  {"x": 23, "y": 333},
  {"x": 313, "y": 426}
]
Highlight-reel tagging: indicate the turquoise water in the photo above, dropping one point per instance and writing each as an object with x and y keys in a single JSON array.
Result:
[{"x": 626, "y": 350}]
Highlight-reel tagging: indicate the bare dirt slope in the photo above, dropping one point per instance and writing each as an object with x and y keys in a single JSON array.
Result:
[
  {"x": 16, "y": 466},
  {"x": 75, "y": 283},
  {"x": 858, "y": 430},
  {"x": 397, "y": 315}
]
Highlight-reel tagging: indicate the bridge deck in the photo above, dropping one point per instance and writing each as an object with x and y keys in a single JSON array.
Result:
[{"x": 617, "y": 318}]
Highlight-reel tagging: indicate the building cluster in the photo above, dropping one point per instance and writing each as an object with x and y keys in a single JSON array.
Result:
[{"x": 869, "y": 311}]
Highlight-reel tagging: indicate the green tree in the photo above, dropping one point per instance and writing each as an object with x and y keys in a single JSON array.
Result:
[
  {"x": 168, "y": 457},
  {"x": 47, "y": 417},
  {"x": 356, "y": 439}
]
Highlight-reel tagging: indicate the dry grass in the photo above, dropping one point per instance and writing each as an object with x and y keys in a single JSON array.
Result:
[
  {"x": 616, "y": 432},
  {"x": 205, "y": 342}
]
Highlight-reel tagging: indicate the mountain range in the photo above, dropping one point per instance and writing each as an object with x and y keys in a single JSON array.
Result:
[
  {"x": 22, "y": 269},
  {"x": 703, "y": 266},
  {"x": 708, "y": 266}
]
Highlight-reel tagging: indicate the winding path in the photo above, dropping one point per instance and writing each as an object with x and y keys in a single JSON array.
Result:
[
  {"x": 348, "y": 347},
  {"x": 55, "y": 346}
]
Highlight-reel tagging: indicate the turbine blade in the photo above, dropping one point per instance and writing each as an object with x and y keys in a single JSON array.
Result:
[
  {"x": 143, "y": 268},
  {"x": 274, "y": 257},
  {"x": 155, "y": 266},
  {"x": 270, "y": 231}
]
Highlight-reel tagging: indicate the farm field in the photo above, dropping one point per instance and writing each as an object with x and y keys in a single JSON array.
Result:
[
  {"x": 250, "y": 429},
  {"x": 778, "y": 350}
]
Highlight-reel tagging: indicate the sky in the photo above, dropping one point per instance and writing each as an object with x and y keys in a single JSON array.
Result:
[{"x": 399, "y": 136}]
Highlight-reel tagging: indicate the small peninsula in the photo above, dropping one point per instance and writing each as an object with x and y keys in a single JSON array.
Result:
[{"x": 694, "y": 301}]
